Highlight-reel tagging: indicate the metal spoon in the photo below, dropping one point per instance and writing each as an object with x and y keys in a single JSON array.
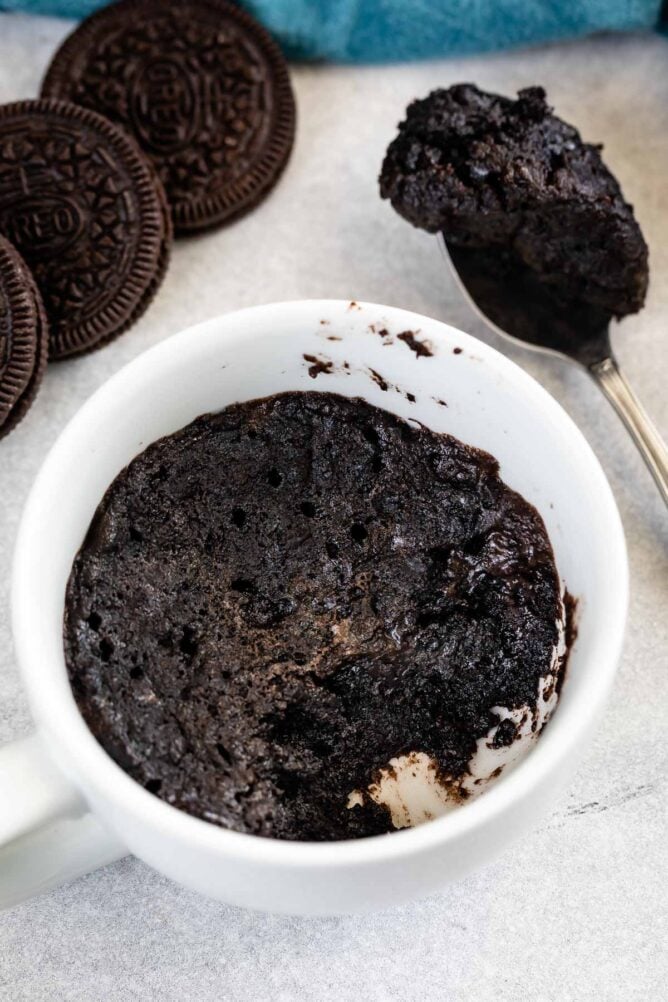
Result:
[{"x": 516, "y": 305}]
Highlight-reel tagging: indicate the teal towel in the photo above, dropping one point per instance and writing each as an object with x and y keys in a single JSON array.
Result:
[{"x": 388, "y": 30}]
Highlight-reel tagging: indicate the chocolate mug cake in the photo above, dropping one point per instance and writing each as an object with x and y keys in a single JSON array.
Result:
[{"x": 285, "y": 612}]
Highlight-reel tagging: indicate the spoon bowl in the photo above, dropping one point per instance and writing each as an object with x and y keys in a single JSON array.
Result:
[{"x": 511, "y": 300}]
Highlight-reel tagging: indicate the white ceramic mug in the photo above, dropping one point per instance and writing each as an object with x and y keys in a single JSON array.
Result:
[{"x": 66, "y": 807}]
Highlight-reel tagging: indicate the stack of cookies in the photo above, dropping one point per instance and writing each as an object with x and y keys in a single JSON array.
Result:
[{"x": 155, "y": 118}]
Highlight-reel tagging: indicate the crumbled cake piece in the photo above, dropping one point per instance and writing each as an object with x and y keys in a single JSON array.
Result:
[{"x": 490, "y": 172}]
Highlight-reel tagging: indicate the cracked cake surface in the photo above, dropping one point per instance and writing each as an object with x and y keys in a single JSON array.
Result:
[{"x": 277, "y": 600}]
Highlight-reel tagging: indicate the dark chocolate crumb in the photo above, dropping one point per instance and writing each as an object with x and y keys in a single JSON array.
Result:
[
  {"x": 421, "y": 348},
  {"x": 377, "y": 378},
  {"x": 319, "y": 366},
  {"x": 506, "y": 733}
]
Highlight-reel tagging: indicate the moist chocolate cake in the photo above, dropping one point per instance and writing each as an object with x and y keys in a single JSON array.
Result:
[
  {"x": 510, "y": 179},
  {"x": 277, "y": 600}
]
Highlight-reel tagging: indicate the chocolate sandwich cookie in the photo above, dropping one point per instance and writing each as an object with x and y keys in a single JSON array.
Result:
[
  {"x": 201, "y": 86},
  {"x": 23, "y": 338},
  {"x": 86, "y": 210}
]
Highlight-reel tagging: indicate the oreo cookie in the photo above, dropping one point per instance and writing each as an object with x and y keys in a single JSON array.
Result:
[
  {"x": 201, "y": 86},
  {"x": 85, "y": 209},
  {"x": 23, "y": 338}
]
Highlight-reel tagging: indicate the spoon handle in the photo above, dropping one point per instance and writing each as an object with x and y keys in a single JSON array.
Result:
[{"x": 652, "y": 447}]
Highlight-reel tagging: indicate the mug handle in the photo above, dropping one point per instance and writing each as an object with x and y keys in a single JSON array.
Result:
[{"x": 47, "y": 833}]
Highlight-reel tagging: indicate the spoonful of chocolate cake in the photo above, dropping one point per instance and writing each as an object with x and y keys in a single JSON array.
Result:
[{"x": 534, "y": 226}]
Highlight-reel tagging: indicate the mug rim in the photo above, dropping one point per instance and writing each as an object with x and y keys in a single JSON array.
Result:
[{"x": 81, "y": 753}]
